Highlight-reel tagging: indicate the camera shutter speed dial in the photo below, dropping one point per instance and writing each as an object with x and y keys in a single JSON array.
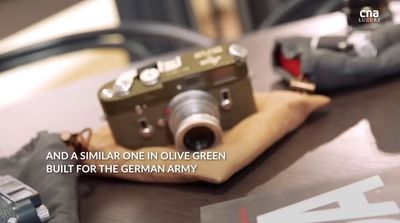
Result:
[
  {"x": 238, "y": 52},
  {"x": 149, "y": 76}
]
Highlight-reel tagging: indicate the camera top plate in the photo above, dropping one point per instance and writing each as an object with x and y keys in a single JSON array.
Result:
[{"x": 202, "y": 69}]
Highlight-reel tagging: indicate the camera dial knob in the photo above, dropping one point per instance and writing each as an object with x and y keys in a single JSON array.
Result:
[
  {"x": 12, "y": 220},
  {"x": 124, "y": 82},
  {"x": 238, "y": 52},
  {"x": 149, "y": 76},
  {"x": 43, "y": 213},
  {"x": 107, "y": 93}
]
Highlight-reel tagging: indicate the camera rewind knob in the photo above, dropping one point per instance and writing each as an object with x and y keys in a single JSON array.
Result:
[
  {"x": 149, "y": 76},
  {"x": 124, "y": 82},
  {"x": 122, "y": 85}
]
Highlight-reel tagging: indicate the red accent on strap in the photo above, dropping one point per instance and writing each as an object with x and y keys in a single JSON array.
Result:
[
  {"x": 293, "y": 66},
  {"x": 243, "y": 215}
]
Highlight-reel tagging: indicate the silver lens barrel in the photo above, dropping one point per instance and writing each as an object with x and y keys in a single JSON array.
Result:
[{"x": 195, "y": 120}]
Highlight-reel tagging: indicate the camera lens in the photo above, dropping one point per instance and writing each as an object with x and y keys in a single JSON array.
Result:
[
  {"x": 195, "y": 120},
  {"x": 199, "y": 138}
]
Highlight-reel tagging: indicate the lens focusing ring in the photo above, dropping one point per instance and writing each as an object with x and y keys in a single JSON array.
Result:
[{"x": 195, "y": 114}]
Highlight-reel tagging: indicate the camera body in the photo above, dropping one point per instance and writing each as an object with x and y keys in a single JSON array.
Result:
[
  {"x": 19, "y": 203},
  {"x": 187, "y": 100}
]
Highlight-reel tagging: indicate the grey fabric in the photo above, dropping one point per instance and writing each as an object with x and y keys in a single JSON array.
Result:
[
  {"x": 295, "y": 46},
  {"x": 58, "y": 191},
  {"x": 330, "y": 69}
]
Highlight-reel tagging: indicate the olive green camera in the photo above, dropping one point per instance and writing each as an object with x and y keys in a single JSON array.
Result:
[{"x": 188, "y": 100}]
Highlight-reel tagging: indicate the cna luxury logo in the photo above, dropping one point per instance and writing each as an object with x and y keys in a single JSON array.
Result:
[{"x": 368, "y": 15}]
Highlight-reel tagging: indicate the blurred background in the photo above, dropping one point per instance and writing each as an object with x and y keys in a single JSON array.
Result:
[
  {"x": 222, "y": 19},
  {"x": 26, "y": 23}
]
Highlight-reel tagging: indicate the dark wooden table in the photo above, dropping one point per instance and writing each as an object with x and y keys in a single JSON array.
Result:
[{"x": 284, "y": 167}]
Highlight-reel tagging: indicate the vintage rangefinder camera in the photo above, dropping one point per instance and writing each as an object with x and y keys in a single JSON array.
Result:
[
  {"x": 187, "y": 100},
  {"x": 19, "y": 203}
]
